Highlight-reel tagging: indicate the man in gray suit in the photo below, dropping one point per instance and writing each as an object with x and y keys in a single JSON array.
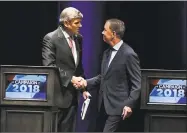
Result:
[
  {"x": 63, "y": 48},
  {"x": 120, "y": 79}
]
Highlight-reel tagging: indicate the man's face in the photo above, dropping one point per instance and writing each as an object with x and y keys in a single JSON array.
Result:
[
  {"x": 73, "y": 25},
  {"x": 107, "y": 33}
]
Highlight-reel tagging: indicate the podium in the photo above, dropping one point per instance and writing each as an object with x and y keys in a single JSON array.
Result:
[
  {"x": 163, "y": 99},
  {"x": 29, "y": 99}
]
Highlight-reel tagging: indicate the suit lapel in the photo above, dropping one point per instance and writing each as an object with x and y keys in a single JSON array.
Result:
[
  {"x": 63, "y": 41},
  {"x": 115, "y": 59}
]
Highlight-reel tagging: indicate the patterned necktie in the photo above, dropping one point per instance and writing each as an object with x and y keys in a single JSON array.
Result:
[{"x": 71, "y": 45}]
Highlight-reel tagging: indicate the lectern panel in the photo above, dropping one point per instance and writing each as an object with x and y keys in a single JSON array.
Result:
[
  {"x": 25, "y": 86},
  {"x": 29, "y": 98},
  {"x": 28, "y": 85},
  {"x": 23, "y": 121},
  {"x": 165, "y": 122},
  {"x": 163, "y": 89},
  {"x": 167, "y": 91}
]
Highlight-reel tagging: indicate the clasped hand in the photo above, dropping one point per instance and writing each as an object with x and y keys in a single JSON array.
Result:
[{"x": 79, "y": 82}]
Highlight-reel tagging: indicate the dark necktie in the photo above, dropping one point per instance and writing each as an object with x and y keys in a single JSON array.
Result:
[{"x": 108, "y": 57}]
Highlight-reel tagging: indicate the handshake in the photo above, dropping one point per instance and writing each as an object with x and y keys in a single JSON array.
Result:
[{"x": 79, "y": 82}]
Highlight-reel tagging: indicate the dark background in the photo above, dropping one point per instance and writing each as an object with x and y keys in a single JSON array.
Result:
[
  {"x": 155, "y": 30},
  {"x": 23, "y": 26}
]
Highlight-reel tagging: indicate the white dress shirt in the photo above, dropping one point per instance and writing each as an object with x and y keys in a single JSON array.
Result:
[
  {"x": 116, "y": 47},
  {"x": 66, "y": 35}
]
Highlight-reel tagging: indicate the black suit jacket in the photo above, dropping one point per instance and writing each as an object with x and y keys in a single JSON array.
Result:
[
  {"x": 120, "y": 84},
  {"x": 56, "y": 52}
]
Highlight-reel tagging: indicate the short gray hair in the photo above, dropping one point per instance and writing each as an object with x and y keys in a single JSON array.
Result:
[
  {"x": 70, "y": 13},
  {"x": 117, "y": 26}
]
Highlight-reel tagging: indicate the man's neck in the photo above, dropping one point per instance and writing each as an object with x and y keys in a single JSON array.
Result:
[
  {"x": 67, "y": 31},
  {"x": 114, "y": 42}
]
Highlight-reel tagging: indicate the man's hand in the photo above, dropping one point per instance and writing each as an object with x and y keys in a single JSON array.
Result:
[
  {"x": 79, "y": 82},
  {"x": 127, "y": 111},
  {"x": 82, "y": 84},
  {"x": 76, "y": 80},
  {"x": 86, "y": 94}
]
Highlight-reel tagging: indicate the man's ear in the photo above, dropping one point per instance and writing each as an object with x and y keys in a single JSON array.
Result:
[{"x": 66, "y": 23}]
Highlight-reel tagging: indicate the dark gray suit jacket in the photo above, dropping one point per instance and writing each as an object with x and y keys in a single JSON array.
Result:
[
  {"x": 120, "y": 84},
  {"x": 56, "y": 52}
]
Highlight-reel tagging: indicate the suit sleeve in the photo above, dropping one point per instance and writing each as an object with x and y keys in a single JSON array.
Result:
[
  {"x": 93, "y": 82},
  {"x": 134, "y": 77},
  {"x": 48, "y": 52},
  {"x": 49, "y": 59}
]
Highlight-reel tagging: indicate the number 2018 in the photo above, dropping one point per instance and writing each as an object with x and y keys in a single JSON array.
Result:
[
  {"x": 26, "y": 88},
  {"x": 169, "y": 92}
]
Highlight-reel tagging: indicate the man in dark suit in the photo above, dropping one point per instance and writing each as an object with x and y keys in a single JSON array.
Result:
[
  {"x": 63, "y": 48},
  {"x": 120, "y": 79}
]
